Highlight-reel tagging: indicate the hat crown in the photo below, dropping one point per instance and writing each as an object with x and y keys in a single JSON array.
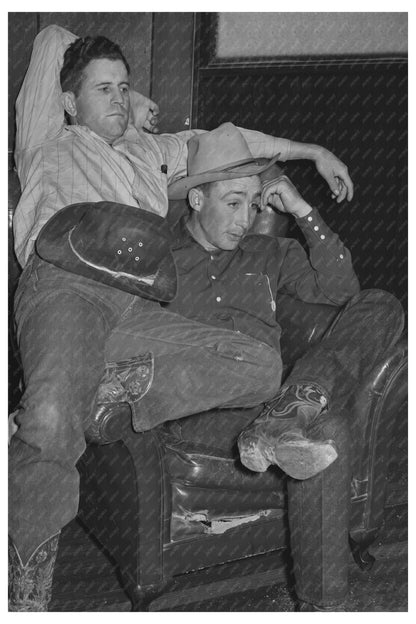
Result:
[
  {"x": 221, "y": 154},
  {"x": 217, "y": 150}
]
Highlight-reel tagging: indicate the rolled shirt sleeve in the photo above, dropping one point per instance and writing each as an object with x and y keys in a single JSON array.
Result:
[{"x": 39, "y": 110}]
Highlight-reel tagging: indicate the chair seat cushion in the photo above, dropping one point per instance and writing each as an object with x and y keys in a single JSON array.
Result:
[{"x": 210, "y": 489}]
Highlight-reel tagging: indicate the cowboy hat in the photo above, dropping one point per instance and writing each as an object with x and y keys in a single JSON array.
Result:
[
  {"x": 222, "y": 154},
  {"x": 122, "y": 246}
]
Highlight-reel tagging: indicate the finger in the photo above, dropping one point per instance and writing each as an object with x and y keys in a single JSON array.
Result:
[
  {"x": 154, "y": 107},
  {"x": 346, "y": 184},
  {"x": 267, "y": 196},
  {"x": 345, "y": 178},
  {"x": 350, "y": 187},
  {"x": 342, "y": 191},
  {"x": 273, "y": 200},
  {"x": 332, "y": 181},
  {"x": 149, "y": 128}
]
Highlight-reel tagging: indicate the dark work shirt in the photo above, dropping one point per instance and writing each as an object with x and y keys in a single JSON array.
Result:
[{"x": 240, "y": 289}]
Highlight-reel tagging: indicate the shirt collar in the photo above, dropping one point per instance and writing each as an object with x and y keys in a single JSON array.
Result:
[{"x": 182, "y": 236}]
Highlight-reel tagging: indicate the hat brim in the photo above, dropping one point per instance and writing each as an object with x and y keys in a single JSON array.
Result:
[
  {"x": 242, "y": 169},
  {"x": 53, "y": 246}
]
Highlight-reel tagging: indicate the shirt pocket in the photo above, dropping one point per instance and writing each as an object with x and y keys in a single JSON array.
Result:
[
  {"x": 256, "y": 296},
  {"x": 150, "y": 191}
]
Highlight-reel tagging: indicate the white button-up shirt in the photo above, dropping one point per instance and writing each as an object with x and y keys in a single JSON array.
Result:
[{"x": 59, "y": 165}]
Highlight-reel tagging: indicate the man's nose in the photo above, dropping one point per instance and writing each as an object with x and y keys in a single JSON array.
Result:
[
  {"x": 117, "y": 97},
  {"x": 243, "y": 218}
]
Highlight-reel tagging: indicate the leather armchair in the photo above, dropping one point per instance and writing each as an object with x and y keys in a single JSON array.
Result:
[{"x": 176, "y": 499}]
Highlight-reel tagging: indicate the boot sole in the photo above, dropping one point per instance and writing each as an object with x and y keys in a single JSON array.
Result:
[{"x": 300, "y": 459}]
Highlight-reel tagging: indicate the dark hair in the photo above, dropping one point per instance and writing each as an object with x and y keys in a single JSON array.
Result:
[
  {"x": 205, "y": 187},
  {"x": 83, "y": 51}
]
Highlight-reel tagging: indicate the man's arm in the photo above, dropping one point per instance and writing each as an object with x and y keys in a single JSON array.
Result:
[
  {"x": 328, "y": 165},
  {"x": 39, "y": 110},
  {"x": 262, "y": 145},
  {"x": 327, "y": 275}
]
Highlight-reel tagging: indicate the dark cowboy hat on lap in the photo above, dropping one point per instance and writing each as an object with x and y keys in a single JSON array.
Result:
[
  {"x": 222, "y": 154},
  {"x": 122, "y": 246}
]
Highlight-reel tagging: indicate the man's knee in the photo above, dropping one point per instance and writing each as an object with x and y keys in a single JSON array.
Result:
[
  {"x": 387, "y": 308},
  {"x": 260, "y": 364},
  {"x": 48, "y": 428}
]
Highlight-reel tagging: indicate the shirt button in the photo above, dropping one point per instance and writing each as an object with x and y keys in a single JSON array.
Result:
[
  {"x": 323, "y": 236},
  {"x": 218, "y": 299},
  {"x": 309, "y": 218},
  {"x": 213, "y": 277},
  {"x": 316, "y": 228},
  {"x": 341, "y": 256}
]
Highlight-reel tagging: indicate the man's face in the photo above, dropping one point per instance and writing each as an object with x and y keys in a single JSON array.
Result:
[
  {"x": 103, "y": 102},
  {"x": 227, "y": 212}
]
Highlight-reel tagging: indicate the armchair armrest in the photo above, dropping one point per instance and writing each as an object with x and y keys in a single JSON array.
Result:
[
  {"x": 110, "y": 423},
  {"x": 377, "y": 405},
  {"x": 377, "y": 409}
]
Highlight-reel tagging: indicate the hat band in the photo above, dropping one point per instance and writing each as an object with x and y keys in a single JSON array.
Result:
[{"x": 149, "y": 280}]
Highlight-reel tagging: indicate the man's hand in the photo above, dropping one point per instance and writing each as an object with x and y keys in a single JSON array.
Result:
[
  {"x": 144, "y": 113},
  {"x": 284, "y": 196},
  {"x": 335, "y": 173}
]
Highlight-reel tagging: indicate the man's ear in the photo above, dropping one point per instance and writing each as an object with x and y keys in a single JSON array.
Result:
[
  {"x": 69, "y": 103},
  {"x": 195, "y": 198}
]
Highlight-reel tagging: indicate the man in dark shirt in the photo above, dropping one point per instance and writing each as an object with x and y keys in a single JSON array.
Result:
[
  {"x": 230, "y": 284},
  {"x": 232, "y": 279}
]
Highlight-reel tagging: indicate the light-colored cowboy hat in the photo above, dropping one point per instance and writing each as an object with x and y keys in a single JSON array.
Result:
[
  {"x": 122, "y": 246},
  {"x": 222, "y": 154}
]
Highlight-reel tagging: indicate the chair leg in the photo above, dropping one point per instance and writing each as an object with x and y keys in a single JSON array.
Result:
[{"x": 359, "y": 548}]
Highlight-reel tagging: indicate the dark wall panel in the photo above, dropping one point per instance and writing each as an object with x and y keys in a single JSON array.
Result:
[
  {"x": 172, "y": 69},
  {"x": 360, "y": 113},
  {"x": 22, "y": 31}
]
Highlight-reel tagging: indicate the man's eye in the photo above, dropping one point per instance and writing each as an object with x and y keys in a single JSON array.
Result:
[
  {"x": 124, "y": 89},
  {"x": 255, "y": 207},
  {"x": 105, "y": 89},
  {"x": 233, "y": 204}
]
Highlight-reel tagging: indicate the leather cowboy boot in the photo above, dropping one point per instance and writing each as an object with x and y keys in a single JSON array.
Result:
[
  {"x": 278, "y": 435},
  {"x": 30, "y": 585}
]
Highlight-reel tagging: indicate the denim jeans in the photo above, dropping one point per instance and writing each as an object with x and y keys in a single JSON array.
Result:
[
  {"x": 68, "y": 326},
  {"x": 319, "y": 507},
  {"x": 196, "y": 367},
  {"x": 63, "y": 322}
]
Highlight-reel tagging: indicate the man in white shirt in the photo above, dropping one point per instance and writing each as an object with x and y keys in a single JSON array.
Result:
[{"x": 63, "y": 320}]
